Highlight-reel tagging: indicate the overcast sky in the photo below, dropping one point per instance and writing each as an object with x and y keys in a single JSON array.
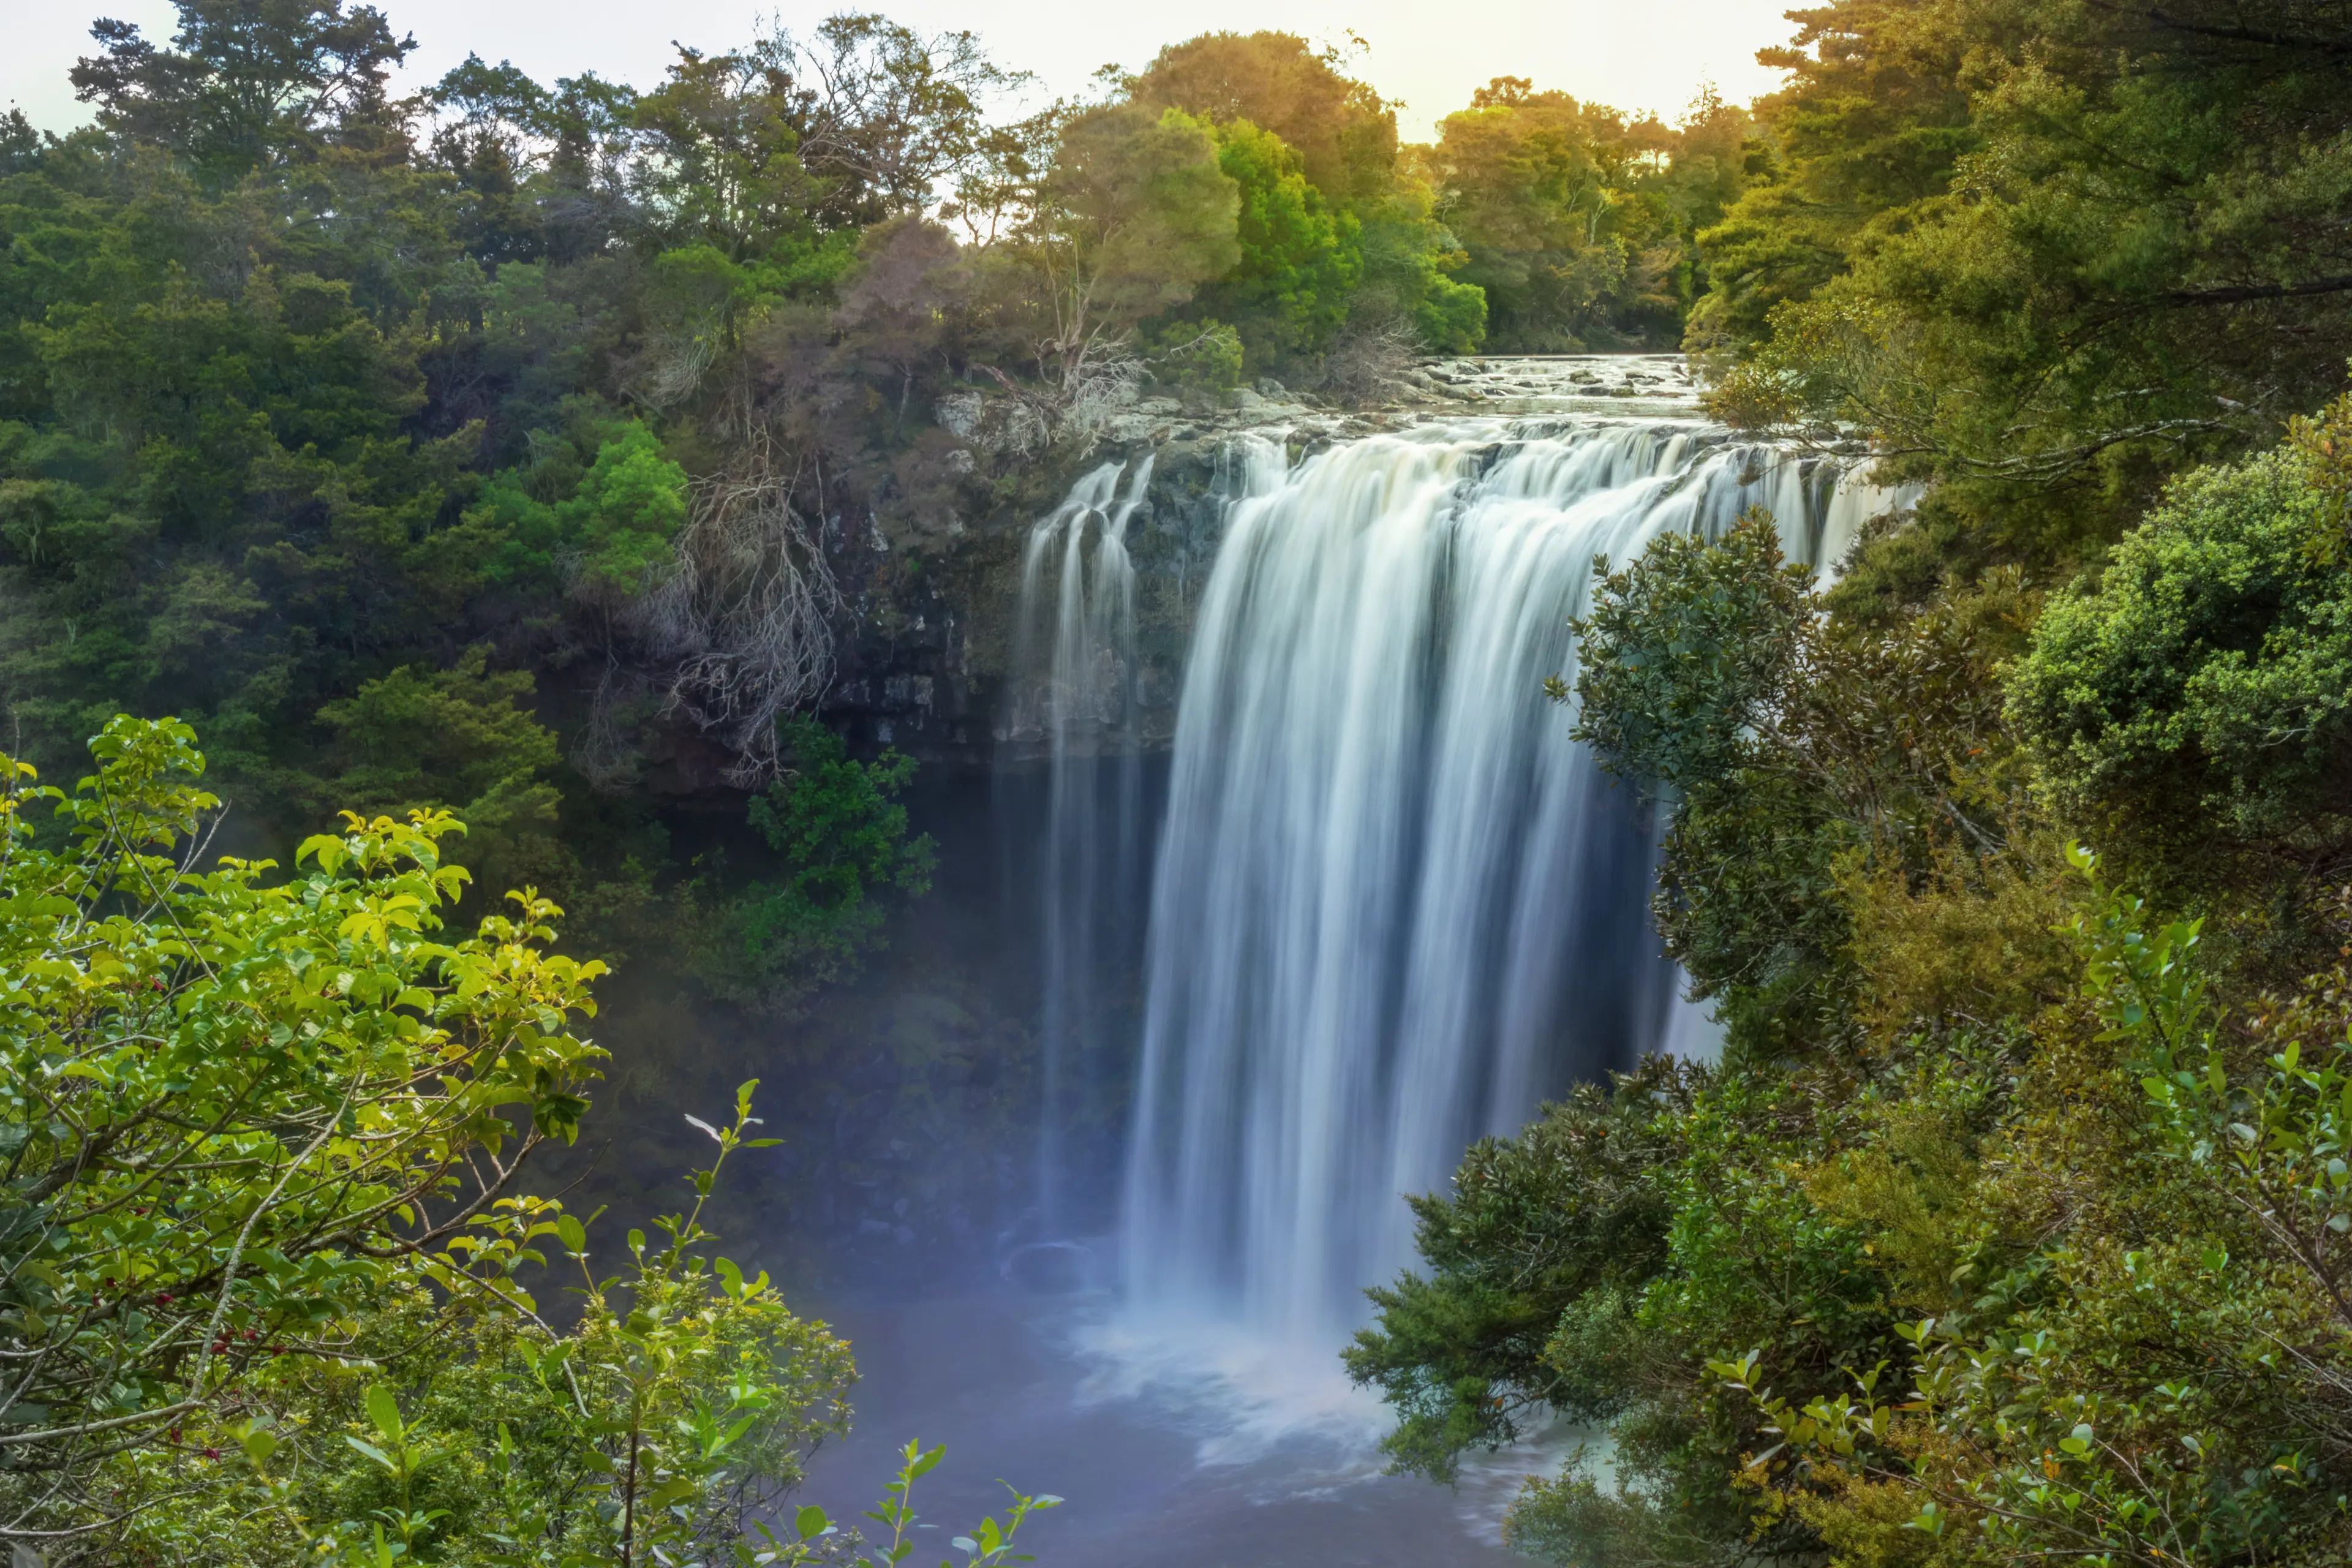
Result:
[{"x": 1429, "y": 53}]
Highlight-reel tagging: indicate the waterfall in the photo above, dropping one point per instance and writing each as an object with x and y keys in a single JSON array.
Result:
[
  {"x": 1079, "y": 694},
  {"x": 1395, "y": 906}
]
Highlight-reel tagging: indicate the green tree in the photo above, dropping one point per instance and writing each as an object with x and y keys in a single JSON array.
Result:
[
  {"x": 1569, "y": 1212},
  {"x": 1524, "y": 186},
  {"x": 1691, "y": 684},
  {"x": 2193, "y": 703},
  {"x": 1300, "y": 261},
  {"x": 609, "y": 541},
  {"x": 835, "y": 825},
  {"x": 265, "y": 1234},
  {"x": 729, "y": 175},
  {"x": 1866, "y": 134},
  {"x": 2132, "y": 268},
  {"x": 1812, "y": 768},
  {"x": 226, "y": 509},
  {"x": 1578, "y": 223},
  {"x": 2023, "y": 1431},
  {"x": 1345, "y": 138},
  {"x": 244, "y": 1114},
  {"x": 462, "y": 740},
  {"x": 1131, "y": 219},
  {"x": 1689, "y": 652},
  {"x": 245, "y": 83}
]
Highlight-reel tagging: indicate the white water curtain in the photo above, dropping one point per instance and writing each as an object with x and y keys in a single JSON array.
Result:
[{"x": 1373, "y": 881}]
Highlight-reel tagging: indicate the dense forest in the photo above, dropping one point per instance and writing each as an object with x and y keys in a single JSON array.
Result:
[{"x": 530, "y": 456}]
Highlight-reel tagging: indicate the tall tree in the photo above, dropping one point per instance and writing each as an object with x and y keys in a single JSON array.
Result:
[{"x": 247, "y": 82}]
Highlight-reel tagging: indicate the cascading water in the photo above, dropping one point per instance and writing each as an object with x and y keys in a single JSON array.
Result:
[
  {"x": 1077, "y": 653},
  {"x": 1395, "y": 906}
]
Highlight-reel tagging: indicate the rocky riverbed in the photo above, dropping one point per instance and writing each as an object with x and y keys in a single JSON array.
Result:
[{"x": 1659, "y": 385}]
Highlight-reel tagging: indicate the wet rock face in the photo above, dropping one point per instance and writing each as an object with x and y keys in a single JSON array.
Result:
[{"x": 926, "y": 664}]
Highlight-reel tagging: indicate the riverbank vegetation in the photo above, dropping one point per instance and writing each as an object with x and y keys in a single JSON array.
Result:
[{"x": 2014, "y": 867}]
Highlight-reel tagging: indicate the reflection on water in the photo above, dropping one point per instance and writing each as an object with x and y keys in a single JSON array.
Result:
[{"x": 1169, "y": 1449}]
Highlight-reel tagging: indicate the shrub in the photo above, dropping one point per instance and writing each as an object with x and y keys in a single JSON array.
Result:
[{"x": 2198, "y": 696}]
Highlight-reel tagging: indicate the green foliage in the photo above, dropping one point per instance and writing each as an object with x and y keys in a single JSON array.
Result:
[
  {"x": 1346, "y": 137},
  {"x": 2009, "y": 1438},
  {"x": 208, "y": 466},
  {"x": 264, "y": 1247},
  {"x": 1531, "y": 206},
  {"x": 242, "y": 1114},
  {"x": 609, "y": 541},
  {"x": 1812, "y": 768},
  {"x": 1863, "y": 138},
  {"x": 1300, "y": 261},
  {"x": 1686, "y": 651},
  {"x": 1577, "y": 224},
  {"x": 836, "y": 826},
  {"x": 1387, "y": 260},
  {"x": 2199, "y": 694},
  {"x": 988, "y": 1544},
  {"x": 698, "y": 1394},
  {"x": 1135, "y": 214},
  {"x": 2009, "y": 1224},
  {"x": 412, "y": 736},
  {"x": 1690, "y": 662},
  {"x": 305, "y": 381},
  {"x": 631, "y": 502},
  {"x": 462, "y": 739},
  {"x": 1199, "y": 356},
  {"x": 1981, "y": 1244},
  {"x": 240, "y": 85},
  {"x": 1451, "y": 315},
  {"x": 2126, "y": 1245},
  {"x": 2049, "y": 258},
  {"x": 1569, "y": 1212}
]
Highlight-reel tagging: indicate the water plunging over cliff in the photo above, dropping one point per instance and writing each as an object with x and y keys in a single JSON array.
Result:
[
  {"x": 1079, "y": 650},
  {"x": 1392, "y": 910}
]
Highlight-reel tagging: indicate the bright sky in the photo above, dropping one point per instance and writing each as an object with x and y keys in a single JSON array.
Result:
[{"x": 1429, "y": 53}]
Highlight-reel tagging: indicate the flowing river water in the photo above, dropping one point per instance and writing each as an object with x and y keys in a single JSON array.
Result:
[{"x": 1383, "y": 905}]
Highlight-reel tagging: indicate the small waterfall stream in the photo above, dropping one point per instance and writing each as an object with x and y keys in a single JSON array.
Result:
[{"x": 1082, "y": 647}]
